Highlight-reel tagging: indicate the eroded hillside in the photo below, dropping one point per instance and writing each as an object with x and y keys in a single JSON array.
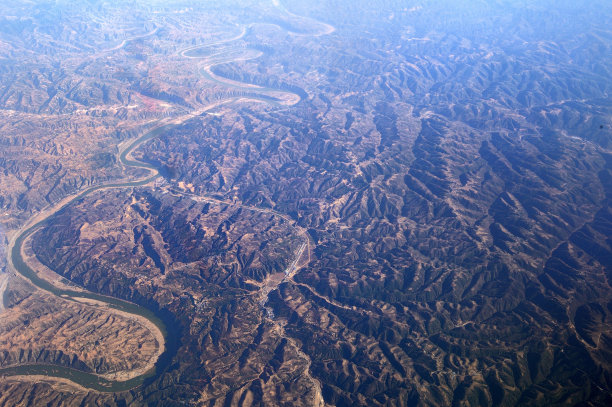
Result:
[{"x": 382, "y": 204}]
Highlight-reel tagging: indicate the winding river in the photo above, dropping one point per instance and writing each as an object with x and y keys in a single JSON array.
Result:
[
  {"x": 159, "y": 320},
  {"x": 85, "y": 379}
]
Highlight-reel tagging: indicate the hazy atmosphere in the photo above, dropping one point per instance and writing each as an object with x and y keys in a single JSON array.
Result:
[{"x": 305, "y": 203}]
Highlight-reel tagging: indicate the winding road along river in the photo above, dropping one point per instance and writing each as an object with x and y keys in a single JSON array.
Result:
[{"x": 171, "y": 340}]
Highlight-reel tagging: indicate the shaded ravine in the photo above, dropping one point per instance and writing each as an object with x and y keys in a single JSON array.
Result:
[
  {"x": 159, "y": 318},
  {"x": 305, "y": 248}
]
